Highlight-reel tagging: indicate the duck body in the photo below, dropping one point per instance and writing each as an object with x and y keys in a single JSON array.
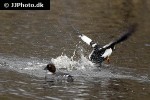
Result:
[
  {"x": 59, "y": 77},
  {"x": 98, "y": 56},
  {"x": 102, "y": 53},
  {"x": 54, "y": 76}
]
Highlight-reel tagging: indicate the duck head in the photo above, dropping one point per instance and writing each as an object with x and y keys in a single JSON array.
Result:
[{"x": 51, "y": 68}]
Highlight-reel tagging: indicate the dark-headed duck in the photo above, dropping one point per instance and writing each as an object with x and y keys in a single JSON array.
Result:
[{"x": 53, "y": 75}]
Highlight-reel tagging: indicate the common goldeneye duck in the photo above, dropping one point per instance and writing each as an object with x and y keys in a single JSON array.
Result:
[
  {"x": 52, "y": 75},
  {"x": 102, "y": 53}
]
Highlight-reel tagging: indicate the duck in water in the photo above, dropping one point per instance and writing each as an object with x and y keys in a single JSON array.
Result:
[
  {"x": 102, "y": 53},
  {"x": 53, "y": 75}
]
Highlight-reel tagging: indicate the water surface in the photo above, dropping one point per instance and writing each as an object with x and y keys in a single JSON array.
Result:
[{"x": 29, "y": 40}]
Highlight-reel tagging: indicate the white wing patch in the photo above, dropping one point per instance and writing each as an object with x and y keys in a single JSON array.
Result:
[
  {"x": 105, "y": 46},
  {"x": 90, "y": 54},
  {"x": 85, "y": 39},
  {"x": 107, "y": 53}
]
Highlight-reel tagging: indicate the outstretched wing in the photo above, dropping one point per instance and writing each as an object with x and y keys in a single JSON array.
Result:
[
  {"x": 122, "y": 38},
  {"x": 88, "y": 40}
]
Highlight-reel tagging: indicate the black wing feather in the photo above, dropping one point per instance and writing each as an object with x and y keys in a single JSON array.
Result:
[{"x": 122, "y": 38}]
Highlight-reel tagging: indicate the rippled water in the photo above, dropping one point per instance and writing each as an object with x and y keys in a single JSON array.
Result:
[{"x": 29, "y": 40}]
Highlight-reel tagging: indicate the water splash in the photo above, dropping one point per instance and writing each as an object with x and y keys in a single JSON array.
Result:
[
  {"x": 65, "y": 62},
  {"x": 78, "y": 68},
  {"x": 70, "y": 64}
]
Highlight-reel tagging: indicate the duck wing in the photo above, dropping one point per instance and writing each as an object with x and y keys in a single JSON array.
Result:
[
  {"x": 122, "y": 38},
  {"x": 89, "y": 41}
]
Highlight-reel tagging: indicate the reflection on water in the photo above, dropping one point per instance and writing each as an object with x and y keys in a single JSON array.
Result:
[{"x": 30, "y": 39}]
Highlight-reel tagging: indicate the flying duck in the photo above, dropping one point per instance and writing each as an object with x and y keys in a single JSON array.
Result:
[{"x": 102, "y": 53}]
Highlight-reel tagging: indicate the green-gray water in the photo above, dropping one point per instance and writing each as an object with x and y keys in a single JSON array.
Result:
[{"x": 30, "y": 39}]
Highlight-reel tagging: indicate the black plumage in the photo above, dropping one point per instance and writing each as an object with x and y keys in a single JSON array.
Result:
[{"x": 101, "y": 53}]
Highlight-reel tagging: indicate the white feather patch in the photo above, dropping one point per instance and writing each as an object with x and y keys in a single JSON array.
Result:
[
  {"x": 85, "y": 39},
  {"x": 107, "y": 53},
  {"x": 90, "y": 54},
  {"x": 93, "y": 45}
]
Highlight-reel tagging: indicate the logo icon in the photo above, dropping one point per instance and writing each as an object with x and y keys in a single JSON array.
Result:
[{"x": 6, "y": 5}]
